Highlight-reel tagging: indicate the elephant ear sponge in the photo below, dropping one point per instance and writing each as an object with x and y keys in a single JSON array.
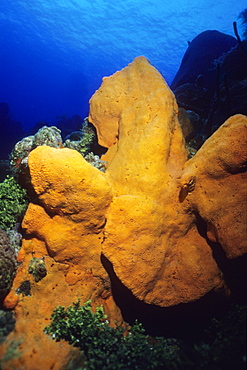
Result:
[
  {"x": 167, "y": 210},
  {"x": 7, "y": 264}
]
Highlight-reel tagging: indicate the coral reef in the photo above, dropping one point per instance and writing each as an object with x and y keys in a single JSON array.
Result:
[
  {"x": 15, "y": 239},
  {"x": 155, "y": 217},
  {"x": 80, "y": 140},
  {"x": 95, "y": 161},
  {"x": 72, "y": 259},
  {"x": 212, "y": 81},
  {"x": 50, "y": 136},
  {"x": 8, "y": 264},
  {"x": 200, "y": 55}
]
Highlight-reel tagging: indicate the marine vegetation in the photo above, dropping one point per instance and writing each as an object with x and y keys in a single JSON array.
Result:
[
  {"x": 13, "y": 203},
  {"x": 105, "y": 347}
]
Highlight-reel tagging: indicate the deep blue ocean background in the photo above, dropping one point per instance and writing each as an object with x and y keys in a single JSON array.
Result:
[{"x": 54, "y": 53}]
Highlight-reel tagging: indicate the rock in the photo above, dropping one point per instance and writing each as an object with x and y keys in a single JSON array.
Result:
[
  {"x": 211, "y": 81},
  {"x": 200, "y": 55}
]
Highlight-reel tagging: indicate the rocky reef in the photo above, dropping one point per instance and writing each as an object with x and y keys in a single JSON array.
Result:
[
  {"x": 155, "y": 224},
  {"x": 211, "y": 83}
]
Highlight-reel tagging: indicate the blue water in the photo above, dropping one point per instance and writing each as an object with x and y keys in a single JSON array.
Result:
[{"x": 54, "y": 53}]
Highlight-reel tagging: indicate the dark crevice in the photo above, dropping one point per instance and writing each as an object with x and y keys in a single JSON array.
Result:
[
  {"x": 184, "y": 321},
  {"x": 234, "y": 271}
]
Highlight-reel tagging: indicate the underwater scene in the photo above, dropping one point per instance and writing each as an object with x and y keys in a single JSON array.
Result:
[{"x": 123, "y": 184}]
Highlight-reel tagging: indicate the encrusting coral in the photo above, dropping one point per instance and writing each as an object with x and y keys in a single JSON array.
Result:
[{"x": 143, "y": 214}]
